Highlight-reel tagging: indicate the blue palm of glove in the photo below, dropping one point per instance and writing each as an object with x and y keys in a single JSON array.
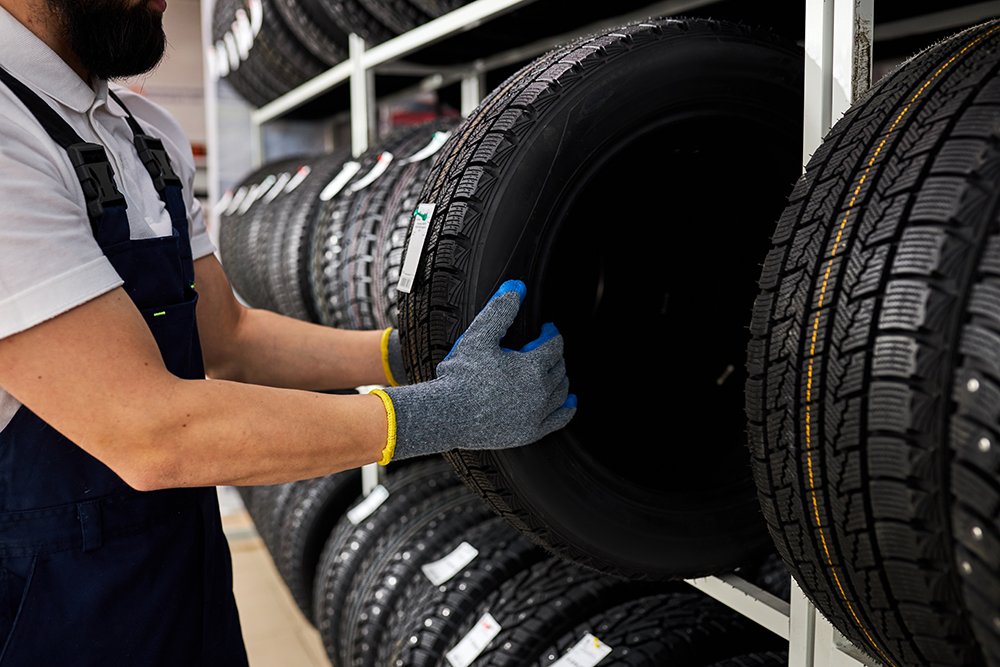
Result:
[{"x": 485, "y": 396}]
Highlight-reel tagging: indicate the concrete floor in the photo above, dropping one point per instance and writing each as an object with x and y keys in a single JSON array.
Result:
[{"x": 274, "y": 630}]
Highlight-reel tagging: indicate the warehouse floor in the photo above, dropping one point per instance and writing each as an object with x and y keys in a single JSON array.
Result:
[{"x": 274, "y": 630}]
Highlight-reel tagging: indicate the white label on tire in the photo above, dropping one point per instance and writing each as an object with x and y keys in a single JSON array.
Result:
[
  {"x": 383, "y": 162},
  {"x": 442, "y": 570},
  {"x": 339, "y": 181},
  {"x": 221, "y": 59},
  {"x": 256, "y": 15},
  {"x": 297, "y": 179},
  {"x": 234, "y": 54},
  {"x": 273, "y": 193},
  {"x": 223, "y": 203},
  {"x": 437, "y": 141},
  {"x": 588, "y": 652},
  {"x": 421, "y": 223},
  {"x": 256, "y": 193},
  {"x": 236, "y": 200},
  {"x": 467, "y": 650},
  {"x": 371, "y": 503}
]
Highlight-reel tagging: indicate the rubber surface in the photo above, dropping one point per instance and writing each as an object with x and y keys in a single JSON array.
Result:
[
  {"x": 421, "y": 537},
  {"x": 348, "y": 545},
  {"x": 662, "y": 117},
  {"x": 537, "y": 606},
  {"x": 314, "y": 510},
  {"x": 426, "y": 618},
  {"x": 874, "y": 385},
  {"x": 678, "y": 629}
]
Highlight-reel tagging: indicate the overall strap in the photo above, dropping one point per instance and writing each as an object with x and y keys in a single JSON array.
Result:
[
  {"x": 151, "y": 152},
  {"x": 89, "y": 160}
]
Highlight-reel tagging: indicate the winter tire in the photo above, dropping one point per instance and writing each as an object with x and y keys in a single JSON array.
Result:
[
  {"x": 548, "y": 181},
  {"x": 349, "y": 543},
  {"x": 316, "y": 508},
  {"x": 874, "y": 377}
]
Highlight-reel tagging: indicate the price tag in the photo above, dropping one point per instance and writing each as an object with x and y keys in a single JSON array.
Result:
[
  {"x": 467, "y": 650},
  {"x": 299, "y": 176},
  {"x": 339, "y": 181},
  {"x": 586, "y": 653},
  {"x": 371, "y": 503},
  {"x": 442, "y": 570},
  {"x": 383, "y": 162},
  {"x": 437, "y": 141},
  {"x": 421, "y": 223}
]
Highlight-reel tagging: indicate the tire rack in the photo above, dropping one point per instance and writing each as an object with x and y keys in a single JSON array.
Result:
[{"x": 839, "y": 35}]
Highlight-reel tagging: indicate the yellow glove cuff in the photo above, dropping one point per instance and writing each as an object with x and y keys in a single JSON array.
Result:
[
  {"x": 390, "y": 413},
  {"x": 385, "y": 358}
]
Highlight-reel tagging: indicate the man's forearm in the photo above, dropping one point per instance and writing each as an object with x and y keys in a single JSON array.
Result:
[{"x": 260, "y": 347}]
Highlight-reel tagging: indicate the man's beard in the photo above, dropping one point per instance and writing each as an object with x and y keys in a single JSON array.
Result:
[{"x": 112, "y": 39}]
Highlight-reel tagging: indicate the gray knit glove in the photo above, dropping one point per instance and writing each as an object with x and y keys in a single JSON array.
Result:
[
  {"x": 392, "y": 359},
  {"x": 485, "y": 396}
]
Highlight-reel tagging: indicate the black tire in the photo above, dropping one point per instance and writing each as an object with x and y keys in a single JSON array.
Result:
[
  {"x": 400, "y": 202},
  {"x": 399, "y": 16},
  {"x": 875, "y": 314},
  {"x": 537, "y": 606},
  {"x": 348, "y": 544},
  {"x": 421, "y": 537},
  {"x": 290, "y": 252},
  {"x": 316, "y": 508},
  {"x": 344, "y": 237},
  {"x": 240, "y": 234},
  {"x": 352, "y": 17},
  {"x": 521, "y": 191},
  {"x": 436, "y": 8},
  {"x": 680, "y": 630},
  {"x": 426, "y": 617},
  {"x": 307, "y": 21}
]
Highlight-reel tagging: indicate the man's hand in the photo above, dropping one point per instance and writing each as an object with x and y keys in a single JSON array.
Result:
[{"x": 485, "y": 396}]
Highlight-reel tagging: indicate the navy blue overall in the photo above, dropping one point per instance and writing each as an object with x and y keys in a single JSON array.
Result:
[{"x": 93, "y": 572}]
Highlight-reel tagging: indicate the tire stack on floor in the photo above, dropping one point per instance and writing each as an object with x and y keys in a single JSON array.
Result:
[
  {"x": 874, "y": 389},
  {"x": 421, "y": 572}
]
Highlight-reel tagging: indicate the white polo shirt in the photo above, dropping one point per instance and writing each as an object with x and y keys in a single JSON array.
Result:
[{"x": 49, "y": 259}]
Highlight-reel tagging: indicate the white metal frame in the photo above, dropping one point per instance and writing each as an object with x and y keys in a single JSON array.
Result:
[{"x": 838, "y": 68}]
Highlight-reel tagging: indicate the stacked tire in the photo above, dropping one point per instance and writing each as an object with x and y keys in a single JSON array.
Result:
[
  {"x": 410, "y": 574},
  {"x": 875, "y": 365}
]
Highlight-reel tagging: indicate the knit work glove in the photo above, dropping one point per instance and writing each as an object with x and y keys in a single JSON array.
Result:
[
  {"x": 392, "y": 359},
  {"x": 485, "y": 396}
]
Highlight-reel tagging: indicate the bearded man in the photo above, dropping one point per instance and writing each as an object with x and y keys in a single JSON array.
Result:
[{"x": 114, "y": 309}]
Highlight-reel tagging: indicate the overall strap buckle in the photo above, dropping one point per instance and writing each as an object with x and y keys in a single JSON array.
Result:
[
  {"x": 154, "y": 157},
  {"x": 96, "y": 177}
]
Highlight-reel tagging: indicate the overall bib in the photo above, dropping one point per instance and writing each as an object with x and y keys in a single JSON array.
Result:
[{"x": 93, "y": 572}]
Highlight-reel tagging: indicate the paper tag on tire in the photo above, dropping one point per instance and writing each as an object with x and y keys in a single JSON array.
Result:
[
  {"x": 467, "y": 650},
  {"x": 421, "y": 224},
  {"x": 371, "y": 503},
  {"x": 442, "y": 570},
  {"x": 587, "y": 652}
]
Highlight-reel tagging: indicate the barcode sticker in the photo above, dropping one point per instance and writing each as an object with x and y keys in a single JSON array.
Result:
[
  {"x": 467, "y": 650},
  {"x": 437, "y": 141},
  {"x": 299, "y": 176},
  {"x": 371, "y": 503},
  {"x": 383, "y": 162},
  {"x": 339, "y": 181},
  {"x": 442, "y": 570},
  {"x": 586, "y": 653},
  {"x": 421, "y": 223}
]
